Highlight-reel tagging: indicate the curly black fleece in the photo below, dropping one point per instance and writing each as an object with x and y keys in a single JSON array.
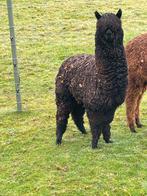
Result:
[{"x": 96, "y": 83}]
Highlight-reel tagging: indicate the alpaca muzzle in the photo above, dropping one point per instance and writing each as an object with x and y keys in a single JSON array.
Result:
[{"x": 109, "y": 35}]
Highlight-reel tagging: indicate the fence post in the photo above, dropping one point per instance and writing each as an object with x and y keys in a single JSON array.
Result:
[{"x": 14, "y": 55}]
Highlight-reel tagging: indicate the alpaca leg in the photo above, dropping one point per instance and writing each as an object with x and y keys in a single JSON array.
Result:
[
  {"x": 62, "y": 115},
  {"x": 96, "y": 132},
  {"x": 106, "y": 125},
  {"x": 95, "y": 128},
  {"x": 77, "y": 116},
  {"x": 131, "y": 102},
  {"x": 106, "y": 133},
  {"x": 138, "y": 123}
]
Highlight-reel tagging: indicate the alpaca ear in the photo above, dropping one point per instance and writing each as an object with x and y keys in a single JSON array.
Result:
[
  {"x": 97, "y": 15},
  {"x": 119, "y": 13}
]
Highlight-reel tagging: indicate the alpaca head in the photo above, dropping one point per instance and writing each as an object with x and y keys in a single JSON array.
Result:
[{"x": 109, "y": 32}]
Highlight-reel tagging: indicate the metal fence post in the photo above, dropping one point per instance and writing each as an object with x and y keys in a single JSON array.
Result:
[{"x": 14, "y": 55}]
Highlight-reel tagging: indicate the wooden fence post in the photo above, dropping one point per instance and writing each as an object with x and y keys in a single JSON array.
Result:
[{"x": 14, "y": 55}]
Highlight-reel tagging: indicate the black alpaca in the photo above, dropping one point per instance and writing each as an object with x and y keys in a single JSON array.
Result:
[{"x": 96, "y": 84}]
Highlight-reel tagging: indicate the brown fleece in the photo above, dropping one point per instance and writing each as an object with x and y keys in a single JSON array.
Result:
[{"x": 136, "y": 53}]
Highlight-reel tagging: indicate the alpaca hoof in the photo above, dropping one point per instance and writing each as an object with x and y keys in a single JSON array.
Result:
[
  {"x": 84, "y": 132},
  {"x": 133, "y": 130},
  {"x": 109, "y": 141},
  {"x": 139, "y": 125},
  {"x": 94, "y": 146},
  {"x": 58, "y": 142}
]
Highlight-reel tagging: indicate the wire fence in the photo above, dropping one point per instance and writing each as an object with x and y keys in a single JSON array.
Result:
[{"x": 46, "y": 34}]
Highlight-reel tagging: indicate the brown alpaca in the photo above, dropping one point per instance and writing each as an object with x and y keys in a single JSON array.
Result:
[{"x": 136, "y": 53}]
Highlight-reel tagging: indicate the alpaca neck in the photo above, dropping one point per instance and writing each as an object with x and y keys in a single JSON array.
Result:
[
  {"x": 111, "y": 64},
  {"x": 108, "y": 55}
]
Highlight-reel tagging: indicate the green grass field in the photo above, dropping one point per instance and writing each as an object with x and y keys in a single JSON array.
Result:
[{"x": 47, "y": 32}]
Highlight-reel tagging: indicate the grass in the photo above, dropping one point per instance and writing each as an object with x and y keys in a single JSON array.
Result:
[{"x": 47, "y": 32}]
